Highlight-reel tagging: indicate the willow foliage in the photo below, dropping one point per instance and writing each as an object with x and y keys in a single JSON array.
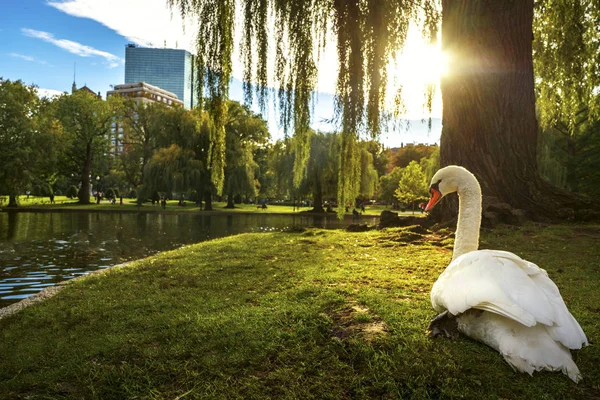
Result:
[
  {"x": 368, "y": 34},
  {"x": 567, "y": 61}
]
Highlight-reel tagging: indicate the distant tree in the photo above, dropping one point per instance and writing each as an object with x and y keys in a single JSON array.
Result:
[
  {"x": 28, "y": 138},
  {"x": 72, "y": 192},
  {"x": 244, "y": 132},
  {"x": 430, "y": 165},
  {"x": 388, "y": 185},
  {"x": 143, "y": 123},
  {"x": 180, "y": 163},
  {"x": 321, "y": 180},
  {"x": 412, "y": 185},
  {"x": 411, "y": 152},
  {"x": 280, "y": 168},
  {"x": 172, "y": 169},
  {"x": 369, "y": 178},
  {"x": 381, "y": 156},
  {"x": 87, "y": 123}
]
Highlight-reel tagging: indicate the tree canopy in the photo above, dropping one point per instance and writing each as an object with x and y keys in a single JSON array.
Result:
[
  {"x": 496, "y": 70},
  {"x": 28, "y": 138}
]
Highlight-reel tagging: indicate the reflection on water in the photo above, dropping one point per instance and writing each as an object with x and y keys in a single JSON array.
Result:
[{"x": 40, "y": 249}]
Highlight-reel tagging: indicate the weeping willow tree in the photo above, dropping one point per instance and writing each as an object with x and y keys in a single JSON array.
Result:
[
  {"x": 489, "y": 99},
  {"x": 368, "y": 34}
]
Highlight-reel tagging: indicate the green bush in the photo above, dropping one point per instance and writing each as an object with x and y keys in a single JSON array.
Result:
[
  {"x": 116, "y": 192},
  {"x": 72, "y": 192},
  {"x": 110, "y": 193},
  {"x": 57, "y": 192},
  {"x": 193, "y": 195},
  {"x": 133, "y": 194}
]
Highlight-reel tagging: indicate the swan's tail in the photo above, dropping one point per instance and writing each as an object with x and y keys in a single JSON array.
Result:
[{"x": 526, "y": 349}]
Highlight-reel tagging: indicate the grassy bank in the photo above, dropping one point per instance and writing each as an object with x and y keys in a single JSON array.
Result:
[
  {"x": 318, "y": 314},
  {"x": 65, "y": 203}
]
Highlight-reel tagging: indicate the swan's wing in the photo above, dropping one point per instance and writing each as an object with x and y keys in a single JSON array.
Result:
[{"x": 503, "y": 283}]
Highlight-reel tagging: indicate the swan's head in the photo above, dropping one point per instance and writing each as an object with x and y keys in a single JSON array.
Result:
[{"x": 448, "y": 180}]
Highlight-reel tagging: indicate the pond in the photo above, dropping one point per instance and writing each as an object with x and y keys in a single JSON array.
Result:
[{"x": 38, "y": 250}]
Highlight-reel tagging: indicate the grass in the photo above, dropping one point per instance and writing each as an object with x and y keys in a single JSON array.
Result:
[
  {"x": 65, "y": 203},
  {"x": 319, "y": 314}
]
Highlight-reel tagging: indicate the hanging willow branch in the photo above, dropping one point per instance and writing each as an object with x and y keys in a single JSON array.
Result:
[{"x": 368, "y": 33}]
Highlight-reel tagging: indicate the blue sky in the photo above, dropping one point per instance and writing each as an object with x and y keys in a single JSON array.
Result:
[{"x": 41, "y": 41}]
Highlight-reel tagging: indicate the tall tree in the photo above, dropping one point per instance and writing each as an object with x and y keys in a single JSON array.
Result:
[
  {"x": 412, "y": 185},
  {"x": 321, "y": 180},
  {"x": 388, "y": 185},
  {"x": 244, "y": 132},
  {"x": 181, "y": 162},
  {"x": 87, "y": 121},
  {"x": 142, "y": 125},
  {"x": 28, "y": 138}
]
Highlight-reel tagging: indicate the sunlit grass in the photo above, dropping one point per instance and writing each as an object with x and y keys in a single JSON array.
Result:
[{"x": 319, "y": 314}]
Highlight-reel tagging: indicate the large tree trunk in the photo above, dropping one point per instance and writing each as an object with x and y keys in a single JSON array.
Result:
[
  {"x": 12, "y": 201},
  {"x": 489, "y": 120},
  {"x": 84, "y": 191},
  {"x": 230, "y": 203},
  {"x": 318, "y": 199},
  {"x": 208, "y": 200}
]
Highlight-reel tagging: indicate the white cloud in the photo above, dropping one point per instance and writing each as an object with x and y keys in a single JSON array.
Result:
[
  {"x": 144, "y": 22},
  {"x": 24, "y": 57},
  {"x": 27, "y": 58},
  {"x": 48, "y": 92},
  {"x": 73, "y": 47}
]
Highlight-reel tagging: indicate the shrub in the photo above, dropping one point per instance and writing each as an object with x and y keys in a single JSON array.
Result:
[
  {"x": 133, "y": 194},
  {"x": 116, "y": 192},
  {"x": 57, "y": 192},
  {"x": 72, "y": 192},
  {"x": 110, "y": 193},
  {"x": 193, "y": 195}
]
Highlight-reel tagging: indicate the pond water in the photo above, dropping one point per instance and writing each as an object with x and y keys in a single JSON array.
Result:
[{"x": 41, "y": 249}]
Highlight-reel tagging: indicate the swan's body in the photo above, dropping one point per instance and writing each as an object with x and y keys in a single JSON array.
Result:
[{"x": 498, "y": 298}]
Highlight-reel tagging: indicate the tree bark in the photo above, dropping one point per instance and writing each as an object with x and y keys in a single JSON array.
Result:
[
  {"x": 318, "y": 199},
  {"x": 208, "y": 200},
  {"x": 489, "y": 120},
  {"x": 230, "y": 203},
  {"x": 12, "y": 201},
  {"x": 84, "y": 191}
]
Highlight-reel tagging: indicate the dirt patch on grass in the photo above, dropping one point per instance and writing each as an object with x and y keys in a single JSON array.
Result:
[{"x": 357, "y": 322}]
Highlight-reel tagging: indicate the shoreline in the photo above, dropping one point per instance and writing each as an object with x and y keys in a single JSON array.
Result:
[{"x": 184, "y": 211}]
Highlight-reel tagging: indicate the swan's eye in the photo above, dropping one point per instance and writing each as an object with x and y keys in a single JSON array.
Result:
[{"x": 436, "y": 185}]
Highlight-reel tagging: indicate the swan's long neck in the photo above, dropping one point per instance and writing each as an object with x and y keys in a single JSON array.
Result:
[{"x": 469, "y": 218}]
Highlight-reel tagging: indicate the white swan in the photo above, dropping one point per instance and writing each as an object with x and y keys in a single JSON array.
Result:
[{"x": 496, "y": 297}]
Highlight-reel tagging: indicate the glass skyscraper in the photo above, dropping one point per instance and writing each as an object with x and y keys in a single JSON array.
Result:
[{"x": 169, "y": 69}]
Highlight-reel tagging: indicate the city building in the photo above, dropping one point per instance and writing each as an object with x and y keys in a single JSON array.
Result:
[
  {"x": 141, "y": 93},
  {"x": 85, "y": 89},
  {"x": 169, "y": 69}
]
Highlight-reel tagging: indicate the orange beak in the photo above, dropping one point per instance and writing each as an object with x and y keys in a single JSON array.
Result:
[{"x": 435, "y": 197}]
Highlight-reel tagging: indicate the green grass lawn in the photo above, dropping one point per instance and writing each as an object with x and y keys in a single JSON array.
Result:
[
  {"x": 318, "y": 314},
  {"x": 63, "y": 203}
]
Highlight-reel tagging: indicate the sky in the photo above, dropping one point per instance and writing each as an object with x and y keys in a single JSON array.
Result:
[{"x": 50, "y": 43}]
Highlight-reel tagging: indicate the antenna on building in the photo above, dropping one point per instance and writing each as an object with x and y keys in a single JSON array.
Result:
[
  {"x": 165, "y": 44},
  {"x": 176, "y": 44}
]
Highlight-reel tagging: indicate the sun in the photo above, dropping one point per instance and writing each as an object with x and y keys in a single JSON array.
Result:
[{"x": 417, "y": 67}]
